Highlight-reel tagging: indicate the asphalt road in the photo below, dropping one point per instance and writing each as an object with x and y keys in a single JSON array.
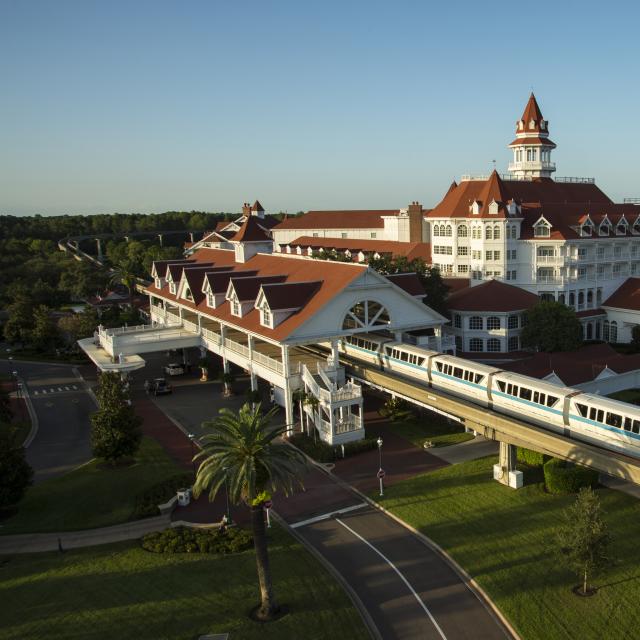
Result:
[{"x": 63, "y": 406}]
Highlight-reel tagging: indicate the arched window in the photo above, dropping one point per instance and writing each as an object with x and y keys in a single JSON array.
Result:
[
  {"x": 613, "y": 331},
  {"x": 561, "y": 298},
  {"x": 605, "y": 331},
  {"x": 476, "y": 344},
  {"x": 367, "y": 315},
  {"x": 572, "y": 299},
  {"x": 463, "y": 231},
  {"x": 598, "y": 296},
  {"x": 580, "y": 298},
  {"x": 589, "y": 298},
  {"x": 493, "y": 322},
  {"x": 488, "y": 234},
  {"x": 496, "y": 232},
  {"x": 448, "y": 231},
  {"x": 493, "y": 345},
  {"x": 475, "y": 323}
]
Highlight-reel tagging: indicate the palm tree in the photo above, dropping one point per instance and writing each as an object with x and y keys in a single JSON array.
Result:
[
  {"x": 300, "y": 398},
  {"x": 242, "y": 450},
  {"x": 125, "y": 274}
]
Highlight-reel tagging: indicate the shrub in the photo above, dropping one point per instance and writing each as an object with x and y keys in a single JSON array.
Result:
[
  {"x": 323, "y": 452},
  {"x": 186, "y": 540},
  {"x": 147, "y": 502},
  {"x": 396, "y": 410},
  {"x": 532, "y": 458},
  {"x": 563, "y": 477}
]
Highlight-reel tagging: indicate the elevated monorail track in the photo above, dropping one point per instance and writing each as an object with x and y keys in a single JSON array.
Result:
[{"x": 494, "y": 425}]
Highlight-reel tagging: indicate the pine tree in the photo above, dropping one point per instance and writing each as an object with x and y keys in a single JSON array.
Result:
[
  {"x": 115, "y": 430},
  {"x": 583, "y": 538}
]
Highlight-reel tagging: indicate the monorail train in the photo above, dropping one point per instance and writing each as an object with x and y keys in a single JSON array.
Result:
[{"x": 585, "y": 416}]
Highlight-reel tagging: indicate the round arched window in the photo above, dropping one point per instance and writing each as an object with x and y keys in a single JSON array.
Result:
[{"x": 366, "y": 315}]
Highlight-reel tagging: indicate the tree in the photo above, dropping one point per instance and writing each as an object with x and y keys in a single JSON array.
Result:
[
  {"x": 552, "y": 326},
  {"x": 243, "y": 450},
  {"x": 125, "y": 274},
  {"x": 15, "y": 473},
  {"x": 20, "y": 323},
  {"x": 300, "y": 398},
  {"x": 583, "y": 539},
  {"x": 635, "y": 338},
  {"x": 44, "y": 334},
  {"x": 115, "y": 432}
]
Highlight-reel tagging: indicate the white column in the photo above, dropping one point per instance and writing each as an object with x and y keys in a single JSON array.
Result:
[
  {"x": 254, "y": 380},
  {"x": 223, "y": 335}
]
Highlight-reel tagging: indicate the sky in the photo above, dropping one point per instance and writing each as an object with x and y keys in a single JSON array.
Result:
[{"x": 149, "y": 106}]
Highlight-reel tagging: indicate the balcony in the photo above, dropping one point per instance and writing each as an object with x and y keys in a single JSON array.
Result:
[
  {"x": 550, "y": 259},
  {"x": 532, "y": 166},
  {"x": 549, "y": 279}
]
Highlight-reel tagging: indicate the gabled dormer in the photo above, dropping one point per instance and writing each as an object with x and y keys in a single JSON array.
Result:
[
  {"x": 242, "y": 292},
  {"x": 542, "y": 228},
  {"x": 622, "y": 227},
  {"x": 604, "y": 228},
  {"x": 586, "y": 226},
  {"x": 278, "y": 301},
  {"x": 513, "y": 208},
  {"x": 494, "y": 208},
  {"x": 215, "y": 285},
  {"x": 635, "y": 229},
  {"x": 475, "y": 207}
]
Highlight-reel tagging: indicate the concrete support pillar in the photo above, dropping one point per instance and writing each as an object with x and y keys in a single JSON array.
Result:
[
  {"x": 397, "y": 335},
  {"x": 99, "y": 246},
  {"x": 254, "y": 379},
  {"x": 160, "y": 238},
  {"x": 505, "y": 471},
  {"x": 333, "y": 361},
  {"x": 191, "y": 236}
]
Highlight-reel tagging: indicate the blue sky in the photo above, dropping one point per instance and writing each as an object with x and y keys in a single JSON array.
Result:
[{"x": 151, "y": 106}]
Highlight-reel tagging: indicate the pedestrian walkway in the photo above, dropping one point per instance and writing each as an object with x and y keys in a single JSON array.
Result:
[{"x": 36, "y": 542}]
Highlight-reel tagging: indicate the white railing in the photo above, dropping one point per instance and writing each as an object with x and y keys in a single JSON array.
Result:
[
  {"x": 533, "y": 165},
  {"x": 212, "y": 336},
  {"x": 237, "y": 347},
  {"x": 172, "y": 318},
  {"x": 575, "y": 180},
  {"x": 190, "y": 326},
  {"x": 268, "y": 362},
  {"x": 349, "y": 391},
  {"x": 118, "y": 331},
  {"x": 351, "y": 423},
  {"x": 549, "y": 259},
  {"x": 549, "y": 279}
]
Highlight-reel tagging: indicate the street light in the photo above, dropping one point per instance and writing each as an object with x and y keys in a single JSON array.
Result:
[
  {"x": 192, "y": 437},
  {"x": 380, "y": 470}
]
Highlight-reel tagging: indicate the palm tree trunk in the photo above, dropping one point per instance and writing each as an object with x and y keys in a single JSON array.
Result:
[
  {"x": 268, "y": 605},
  {"x": 584, "y": 586}
]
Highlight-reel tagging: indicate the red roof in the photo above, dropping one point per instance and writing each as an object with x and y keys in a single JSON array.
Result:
[
  {"x": 257, "y": 206},
  {"x": 159, "y": 267},
  {"x": 333, "y": 278},
  {"x": 457, "y": 284},
  {"x": 575, "y": 367},
  {"x": 218, "y": 282},
  {"x": 356, "y": 219},
  {"x": 409, "y": 250},
  {"x": 626, "y": 296},
  {"x": 289, "y": 295},
  {"x": 492, "y": 295},
  {"x": 537, "y": 140},
  {"x": 251, "y": 231},
  {"x": 409, "y": 282},
  {"x": 247, "y": 287},
  {"x": 531, "y": 112}
]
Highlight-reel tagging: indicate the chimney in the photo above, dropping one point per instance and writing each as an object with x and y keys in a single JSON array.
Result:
[
  {"x": 246, "y": 209},
  {"x": 416, "y": 222}
]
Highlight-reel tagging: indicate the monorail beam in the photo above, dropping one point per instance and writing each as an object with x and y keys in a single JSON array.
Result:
[{"x": 500, "y": 427}]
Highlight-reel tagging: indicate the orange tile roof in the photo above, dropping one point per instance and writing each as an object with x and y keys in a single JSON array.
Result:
[
  {"x": 356, "y": 219},
  {"x": 626, "y": 296},
  {"x": 410, "y": 250},
  {"x": 289, "y": 295},
  {"x": 333, "y": 278},
  {"x": 537, "y": 140},
  {"x": 492, "y": 295},
  {"x": 251, "y": 231}
]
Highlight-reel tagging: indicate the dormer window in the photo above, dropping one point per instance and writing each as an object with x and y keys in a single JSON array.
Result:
[
  {"x": 211, "y": 301},
  {"x": 475, "y": 208},
  {"x": 493, "y": 208},
  {"x": 266, "y": 317},
  {"x": 520, "y": 125},
  {"x": 235, "y": 308},
  {"x": 158, "y": 283},
  {"x": 187, "y": 294},
  {"x": 172, "y": 288},
  {"x": 621, "y": 227},
  {"x": 541, "y": 230},
  {"x": 585, "y": 230},
  {"x": 604, "y": 228},
  {"x": 532, "y": 124},
  {"x": 543, "y": 124},
  {"x": 636, "y": 228}
]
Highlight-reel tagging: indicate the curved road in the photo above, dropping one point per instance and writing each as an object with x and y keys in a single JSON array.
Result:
[{"x": 62, "y": 405}]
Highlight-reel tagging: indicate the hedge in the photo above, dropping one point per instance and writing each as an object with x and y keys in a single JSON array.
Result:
[
  {"x": 323, "y": 452},
  {"x": 186, "y": 540},
  {"x": 532, "y": 458},
  {"x": 148, "y": 501},
  {"x": 563, "y": 477}
]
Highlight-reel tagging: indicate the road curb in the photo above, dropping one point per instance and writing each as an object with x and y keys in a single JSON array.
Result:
[
  {"x": 88, "y": 389},
  {"x": 469, "y": 582},
  {"x": 33, "y": 416},
  {"x": 337, "y": 576}
]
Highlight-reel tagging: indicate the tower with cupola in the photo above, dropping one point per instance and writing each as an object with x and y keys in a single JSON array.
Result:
[{"x": 532, "y": 146}]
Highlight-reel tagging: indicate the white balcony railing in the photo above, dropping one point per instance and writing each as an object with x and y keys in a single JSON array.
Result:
[
  {"x": 237, "y": 347},
  {"x": 210, "y": 336},
  {"x": 350, "y": 423},
  {"x": 533, "y": 165},
  {"x": 549, "y": 259},
  {"x": 268, "y": 362}
]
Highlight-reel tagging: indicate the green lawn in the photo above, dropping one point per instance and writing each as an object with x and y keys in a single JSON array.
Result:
[
  {"x": 121, "y": 591},
  {"x": 91, "y": 496},
  {"x": 627, "y": 395},
  {"x": 504, "y": 539},
  {"x": 434, "y": 427}
]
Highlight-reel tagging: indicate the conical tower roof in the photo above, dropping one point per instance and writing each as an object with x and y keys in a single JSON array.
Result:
[{"x": 494, "y": 189}]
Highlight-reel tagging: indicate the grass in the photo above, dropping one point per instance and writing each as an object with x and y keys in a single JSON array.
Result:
[
  {"x": 91, "y": 496},
  {"x": 504, "y": 539},
  {"x": 627, "y": 395},
  {"x": 433, "y": 427},
  {"x": 121, "y": 591}
]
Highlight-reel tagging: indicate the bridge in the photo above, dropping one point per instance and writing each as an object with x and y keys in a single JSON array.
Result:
[{"x": 289, "y": 367}]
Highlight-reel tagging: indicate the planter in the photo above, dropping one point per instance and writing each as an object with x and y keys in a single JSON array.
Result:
[{"x": 204, "y": 375}]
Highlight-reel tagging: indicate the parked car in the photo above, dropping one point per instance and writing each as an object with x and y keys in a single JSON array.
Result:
[
  {"x": 174, "y": 369},
  {"x": 160, "y": 387}
]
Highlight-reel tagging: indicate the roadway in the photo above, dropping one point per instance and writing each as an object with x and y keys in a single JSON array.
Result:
[{"x": 63, "y": 406}]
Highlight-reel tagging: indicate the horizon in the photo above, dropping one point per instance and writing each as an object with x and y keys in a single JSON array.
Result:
[{"x": 154, "y": 107}]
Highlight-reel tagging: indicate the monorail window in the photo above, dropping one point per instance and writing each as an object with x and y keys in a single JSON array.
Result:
[
  {"x": 551, "y": 400},
  {"x": 597, "y": 415},
  {"x": 631, "y": 425},
  {"x": 404, "y": 356},
  {"x": 525, "y": 394},
  {"x": 501, "y": 385},
  {"x": 439, "y": 366},
  {"x": 583, "y": 410},
  {"x": 420, "y": 361},
  {"x": 478, "y": 377},
  {"x": 458, "y": 372},
  {"x": 512, "y": 390},
  {"x": 614, "y": 420}
]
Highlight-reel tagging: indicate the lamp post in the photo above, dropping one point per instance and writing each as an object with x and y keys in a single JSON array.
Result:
[
  {"x": 381, "y": 473},
  {"x": 192, "y": 437},
  {"x": 226, "y": 495}
]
